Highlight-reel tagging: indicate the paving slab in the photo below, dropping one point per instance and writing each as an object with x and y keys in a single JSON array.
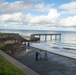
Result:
[
  {"x": 55, "y": 65},
  {"x": 19, "y": 65}
]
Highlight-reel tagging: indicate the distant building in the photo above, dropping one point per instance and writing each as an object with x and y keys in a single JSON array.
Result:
[{"x": 9, "y": 38}]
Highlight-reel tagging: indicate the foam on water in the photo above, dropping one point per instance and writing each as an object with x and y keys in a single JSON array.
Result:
[{"x": 57, "y": 50}]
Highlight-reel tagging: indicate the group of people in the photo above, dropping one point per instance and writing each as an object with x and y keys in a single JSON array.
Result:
[
  {"x": 41, "y": 55},
  {"x": 26, "y": 43}
]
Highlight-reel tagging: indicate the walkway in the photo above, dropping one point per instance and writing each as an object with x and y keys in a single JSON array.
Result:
[
  {"x": 17, "y": 64},
  {"x": 55, "y": 65}
]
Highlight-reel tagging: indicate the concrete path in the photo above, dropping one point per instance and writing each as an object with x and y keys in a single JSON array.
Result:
[
  {"x": 55, "y": 65},
  {"x": 17, "y": 64}
]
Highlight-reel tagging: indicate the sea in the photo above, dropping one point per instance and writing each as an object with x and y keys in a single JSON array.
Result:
[{"x": 68, "y": 38}]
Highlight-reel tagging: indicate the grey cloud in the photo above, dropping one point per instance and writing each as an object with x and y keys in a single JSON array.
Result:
[
  {"x": 17, "y": 6},
  {"x": 68, "y": 8},
  {"x": 23, "y": 5},
  {"x": 1, "y": 1}
]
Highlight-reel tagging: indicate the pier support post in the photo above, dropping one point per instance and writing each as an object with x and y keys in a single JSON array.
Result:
[
  {"x": 59, "y": 37},
  {"x": 39, "y": 37},
  {"x": 45, "y": 37},
  {"x": 55, "y": 37},
  {"x": 50, "y": 37}
]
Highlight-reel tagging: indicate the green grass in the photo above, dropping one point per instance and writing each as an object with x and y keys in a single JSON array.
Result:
[
  {"x": 6, "y": 68},
  {"x": 2, "y": 48}
]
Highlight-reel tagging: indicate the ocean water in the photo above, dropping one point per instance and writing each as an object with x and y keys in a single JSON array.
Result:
[{"x": 68, "y": 38}]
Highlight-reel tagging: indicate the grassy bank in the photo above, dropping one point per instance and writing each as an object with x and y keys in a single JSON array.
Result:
[
  {"x": 2, "y": 48},
  {"x": 7, "y": 68}
]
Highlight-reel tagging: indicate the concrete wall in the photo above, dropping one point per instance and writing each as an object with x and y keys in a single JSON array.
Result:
[
  {"x": 1, "y": 43},
  {"x": 9, "y": 42}
]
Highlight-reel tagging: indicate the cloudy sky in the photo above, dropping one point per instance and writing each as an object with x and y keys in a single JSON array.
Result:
[{"x": 38, "y": 14}]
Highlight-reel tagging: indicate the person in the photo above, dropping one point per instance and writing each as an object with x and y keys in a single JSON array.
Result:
[
  {"x": 28, "y": 44},
  {"x": 37, "y": 53},
  {"x": 45, "y": 54},
  {"x": 25, "y": 43},
  {"x": 40, "y": 54}
]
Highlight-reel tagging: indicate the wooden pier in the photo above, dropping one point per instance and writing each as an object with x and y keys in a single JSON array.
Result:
[{"x": 56, "y": 36}]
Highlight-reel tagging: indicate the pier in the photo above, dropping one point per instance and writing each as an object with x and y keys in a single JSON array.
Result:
[{"x": 56, "y": 36}]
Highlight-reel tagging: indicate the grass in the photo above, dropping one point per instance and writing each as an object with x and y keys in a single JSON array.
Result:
[
  {"x": 6, "y": 68},
  {"x": 2, "y": 48}
]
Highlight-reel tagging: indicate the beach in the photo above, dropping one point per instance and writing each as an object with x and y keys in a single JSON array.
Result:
[
  {"x": 67, "y": 43},
  {"x": 63, "y": 51},
  {"x": 55, "y": 65},
  {"x": 61, "y": 54}
]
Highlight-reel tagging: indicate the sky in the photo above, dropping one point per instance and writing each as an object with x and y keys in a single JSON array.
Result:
[{"x": 38, "y": 14}]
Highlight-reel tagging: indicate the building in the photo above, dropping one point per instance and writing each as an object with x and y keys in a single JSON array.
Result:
[{"x": 9, "y": 38}]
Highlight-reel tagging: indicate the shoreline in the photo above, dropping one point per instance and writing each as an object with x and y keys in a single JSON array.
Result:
[
  {"x": 55, "y": 64},
  {"x": 61, "y": 52}
]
